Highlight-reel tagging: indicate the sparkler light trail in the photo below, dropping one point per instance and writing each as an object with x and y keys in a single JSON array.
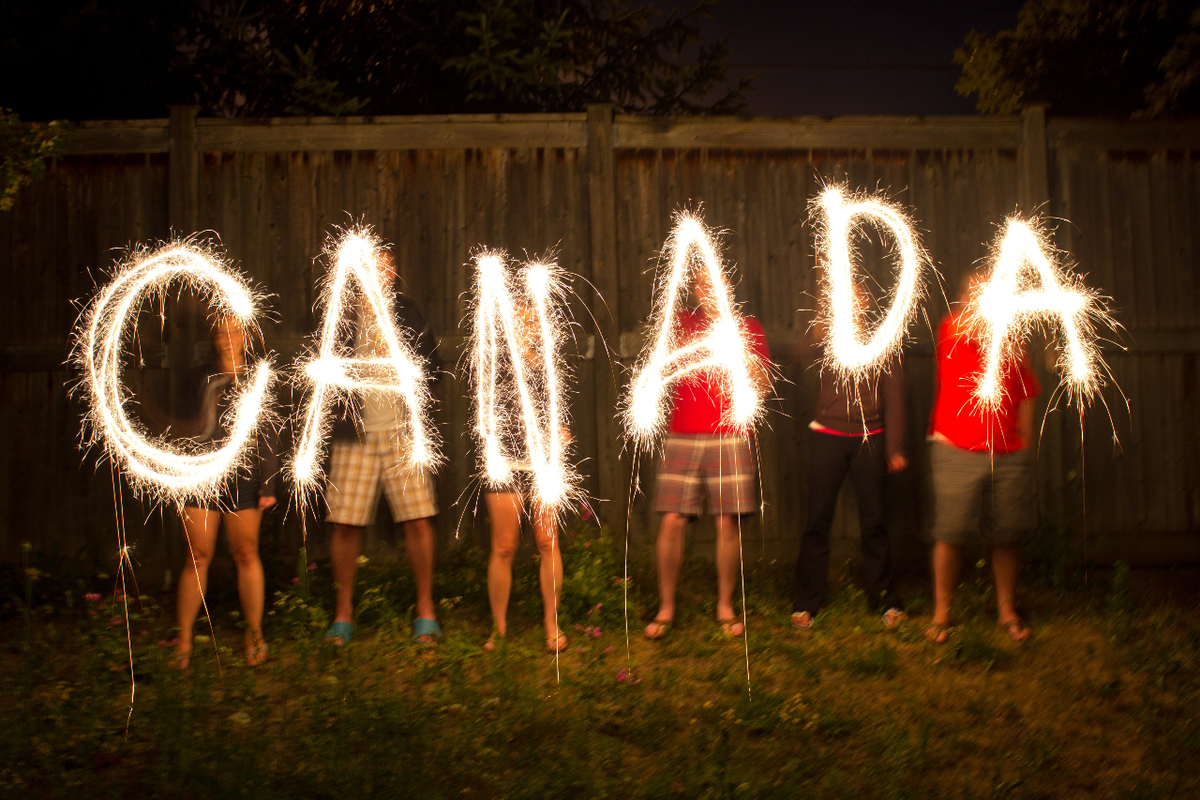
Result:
[
  {"x": 335, "y": 370},
  {"x": 504, "y": 333},
  {"x": 1027, "y": 287},
  {"x": 838, "y": 217},
  {"x": 722, "y": 348},
  {"x": 167, "y": 472}
]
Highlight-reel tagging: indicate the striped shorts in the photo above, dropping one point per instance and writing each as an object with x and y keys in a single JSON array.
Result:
[
  {"x": 694, "y": 463},
  {"x": 358, "y": 468}
]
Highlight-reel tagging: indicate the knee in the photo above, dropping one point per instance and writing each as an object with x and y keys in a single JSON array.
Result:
[
  {"x": 673, "y": 525},
  {"x": 245, "y": 555},
  {"x": 202, "y": 556},
  {"x": 503, "y": 550},
  {"x": 546, "y": 546}
]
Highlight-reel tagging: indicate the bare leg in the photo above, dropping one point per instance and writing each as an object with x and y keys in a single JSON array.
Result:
[
  {"x": 729, "y": 553},
  {"x": 242, "y": 529},
  {"x": 551, "y": 576},
  {"x": 505, "y": 513},
  {"x": 1005, "y": 563},
  {"x": 420, "y": 542},
  {"x": 947, "y": 561},
  {"x": 344, "y": 549},
  {"x": 200, "y": 528},
  {"x": 669, "y": 549}
]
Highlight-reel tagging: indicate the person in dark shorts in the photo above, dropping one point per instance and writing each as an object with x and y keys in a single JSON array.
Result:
[
  {"x": 367, "y": 458},
  {"x": 982, "y": 465},
  {"x": 702, "y": 455},
  {"x": 857, "y": 430},
  {"x": 241, "y": 504}
]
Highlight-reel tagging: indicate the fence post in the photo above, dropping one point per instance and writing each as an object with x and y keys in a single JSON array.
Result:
[
  {"x": 605, "y": 303},
  {"x": 183, "y": 176},
  {"x": 1035, "y": 195}
]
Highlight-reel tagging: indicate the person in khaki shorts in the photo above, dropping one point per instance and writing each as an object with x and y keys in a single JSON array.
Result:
[
  {"x": 703, "y": 454},
  {"x": 367, "y": 456},
  {"x": 982, "y": 466}
]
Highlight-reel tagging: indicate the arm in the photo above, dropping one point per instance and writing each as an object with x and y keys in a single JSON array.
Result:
[
  {"x": 1025, "y": 422},
  {"x": 893, "y": 416}
]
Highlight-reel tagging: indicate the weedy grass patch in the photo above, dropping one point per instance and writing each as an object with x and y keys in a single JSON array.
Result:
[{"x": 1103, "y": 701}]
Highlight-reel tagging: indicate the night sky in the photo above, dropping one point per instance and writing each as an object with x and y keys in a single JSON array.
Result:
[{"x": 845, "y": 55}]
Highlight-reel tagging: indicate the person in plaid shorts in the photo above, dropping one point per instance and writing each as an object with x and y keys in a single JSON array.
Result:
[
  {"x": 704, "y": 455},
  {"x": 368, "y": 450}
]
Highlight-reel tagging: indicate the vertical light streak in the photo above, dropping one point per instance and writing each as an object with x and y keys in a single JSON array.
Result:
[
  {"x": 839, "y": 216},
  {"x": 336, "y": 369},
  {"x": 1027, "y": 288},
  {"x": 167, "y": 472},
  {"x": 504, "y": 335},
  {"x": 722, "y": 348}
]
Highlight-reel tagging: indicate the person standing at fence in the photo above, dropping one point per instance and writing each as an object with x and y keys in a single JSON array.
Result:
[
  {"x": 367, "y": 451},
  {"x": 981, "y": 464},
  {"x": 857, "y": 429},
  {"x": 241, "y": 502},
  {"x": 702, "y": 452}
]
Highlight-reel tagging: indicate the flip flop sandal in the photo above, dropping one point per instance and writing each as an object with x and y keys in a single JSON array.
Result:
[
  {"x": 1014, "y": 628},
  {"x": 727, "y": 624},
  {"x": 339, "y": 631},
  {"x": 663, "y": 627},
  {"x": 426, "y": 627},
  {"x": 552, "y": 643},
  {"x": 938, "y": 634},
  {"x": 802, "y": 620}
]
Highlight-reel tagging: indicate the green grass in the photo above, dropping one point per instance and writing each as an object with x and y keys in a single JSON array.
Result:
[{"x": 1103, "y": 701}]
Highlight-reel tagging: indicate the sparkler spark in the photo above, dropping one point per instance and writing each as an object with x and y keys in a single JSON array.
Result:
[
  {"x": 839, "y": 216},
  {"x": 722, "y": 348},
  {"x": 336, "y": 371},
  {"x": 503, "y": 333},
  {"x": 1027, "y": 287},
  {"x": 167, "y": 472}
]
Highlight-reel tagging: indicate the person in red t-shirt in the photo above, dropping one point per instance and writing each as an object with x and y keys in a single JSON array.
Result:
[
  {"x": 981, "y": 463},
  {"x": 702, "y": 452}
]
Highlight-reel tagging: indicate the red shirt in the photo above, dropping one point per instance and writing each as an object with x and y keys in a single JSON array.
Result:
[
  {"x": 701, "y": 401},
  {"x": 957, "y": 414}
]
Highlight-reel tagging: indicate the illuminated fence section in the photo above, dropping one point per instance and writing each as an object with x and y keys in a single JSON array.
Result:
[{"x": 600, "y": 192}]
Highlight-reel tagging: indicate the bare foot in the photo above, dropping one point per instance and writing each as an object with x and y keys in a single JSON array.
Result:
[
  {"x": 938, "y": 633},
  {"x": 556, "y": 644},
  {"x": 181, "y": 659},
  {"x": 491, "y": 644}
]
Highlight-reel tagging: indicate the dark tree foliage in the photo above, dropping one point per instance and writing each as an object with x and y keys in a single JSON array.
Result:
[
  {"x": 1089, "y": 58},
  {"x": 130, "y": 58}
]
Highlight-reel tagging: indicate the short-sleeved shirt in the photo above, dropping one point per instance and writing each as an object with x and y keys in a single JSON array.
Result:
[
  {"x": 702, "y": 400},
  {"x": 957, "y": 414}
]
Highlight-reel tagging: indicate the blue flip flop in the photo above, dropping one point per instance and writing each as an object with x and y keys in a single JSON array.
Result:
[
  {"x": 339, "y": 630},
  {"x": 426, "y": 627}
]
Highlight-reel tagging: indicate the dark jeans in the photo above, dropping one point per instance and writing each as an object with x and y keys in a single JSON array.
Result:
[{"x": 830, "y": 458}]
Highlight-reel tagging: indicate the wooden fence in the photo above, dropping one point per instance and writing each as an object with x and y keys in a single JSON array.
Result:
[{"x": 599, "y": 192}]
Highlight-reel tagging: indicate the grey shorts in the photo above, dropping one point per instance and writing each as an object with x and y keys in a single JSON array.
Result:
[{"x": 985, "y": 493}]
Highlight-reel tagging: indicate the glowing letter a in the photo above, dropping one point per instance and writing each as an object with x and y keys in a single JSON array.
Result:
[
  {"x": 334, "y": 369},
  {"x": 1010, "y": 303},
  {"x": 542, "y": 420},
  {"x": 721, "y": 348}
]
